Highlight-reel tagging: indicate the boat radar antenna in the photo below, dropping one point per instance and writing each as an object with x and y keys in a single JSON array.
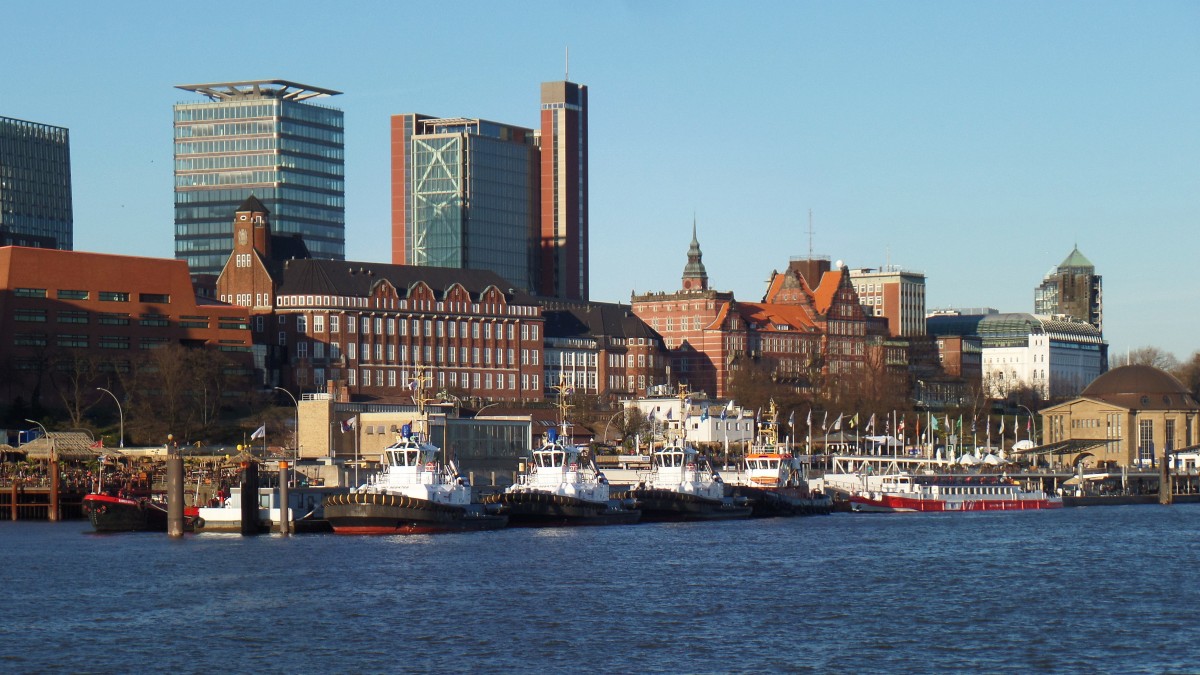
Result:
[
  {"x": 769, "y": 430},
  {"x": 685, "y": 406},
  {"x": 419, "y": 385},
  {"x": 563, "y": 391}
]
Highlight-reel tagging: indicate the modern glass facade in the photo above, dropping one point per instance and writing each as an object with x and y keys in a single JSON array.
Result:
[
  {"x": 471, "y": 195},
  {"x": 35, "y": 185},
  {"x": 260, "y": 139}
]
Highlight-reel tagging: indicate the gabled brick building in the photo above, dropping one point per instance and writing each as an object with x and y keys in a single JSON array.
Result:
[
  {"x": 369, "y": 326},
  {"x": 797, "y": 331}
]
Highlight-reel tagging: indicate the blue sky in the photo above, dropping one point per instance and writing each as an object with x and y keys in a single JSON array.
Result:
[{"x": 976, "y": 142}]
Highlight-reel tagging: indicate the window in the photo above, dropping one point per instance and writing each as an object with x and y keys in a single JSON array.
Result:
[
  {"x": 72, "y": 340},
  {"x": 30, "y": 315},
  {"x": 301, "y": 349},
  {"x": 487, "y": 331},
  {"x": 350, "y": 324},
  {"x": 1146, "y": 441},
  {"x": 110, "y": 319},
  {"x": 34, "y": 293},
  {"x": 67, "y": 316},
  {"x": 301, "y": 324},
  {"x": 318, "y": 323},
  {"x": 333, "y": 324},
  {"x": 391, "y": 326},
  {"x": 351, "y": 377},
  {"x": 335, "y": 350},
  {"x": 113, "y": 296},
  {"x": 366, "y": 378},
  {"x": 114, "y": 342},
  {"x": 71, "y": 295},
  {"x": 160, "y": 298}
]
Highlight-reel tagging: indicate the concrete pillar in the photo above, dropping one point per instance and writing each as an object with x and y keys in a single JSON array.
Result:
[{"x": 285, "y": 523}]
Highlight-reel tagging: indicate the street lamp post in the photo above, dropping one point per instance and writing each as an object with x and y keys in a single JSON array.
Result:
[
  {"x": 120, "y": 412},
  {"x": 1032, "y": 424},
  {"x": 477, "y": 412},
  {"x": 53, "y": 514},
  {"x": 297, "y": 404},
  {"x": 619, "y": 412}
]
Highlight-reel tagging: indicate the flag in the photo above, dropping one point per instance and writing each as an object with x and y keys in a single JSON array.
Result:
[
  {"x": 900, "y": 426},
  {"x": 650, "y": 417},
  {"x": 837, "y": 424},
  {"x": 973, "y": 427},
  {"x": 98, "y": 444},
  {"x": 792, "y": 420},
  {"x": 933, "y": 423},
  {"x": 825, "y": 422},
  {"x": 810, "y": 418},
  {"x": 704, "y": 414},
  {"x": 730, "y": 406},
  {"x": 949, "y": 427},
  {"x": 349, "y": 425},
  {"x": 871, "y": 423},
  {"x": 723, "y": 412},
  {"x": 670, "y": 413},
  {"x": 1002, "y": 426},
  {"x": 260, "y": 432},
  {"x": 854, "y": 421}
]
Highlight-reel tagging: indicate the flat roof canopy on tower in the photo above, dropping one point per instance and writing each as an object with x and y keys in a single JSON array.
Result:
[{"x": 223, "y": 91}]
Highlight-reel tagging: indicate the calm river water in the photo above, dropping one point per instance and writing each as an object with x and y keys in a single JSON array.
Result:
[{"x": 1076, "y": 591}]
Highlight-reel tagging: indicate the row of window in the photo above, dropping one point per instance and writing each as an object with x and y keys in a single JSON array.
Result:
[
  {"x": 103, "y": 296},
  {"x": 122, "y": 319},
  {"x": 366, "y": 377}
]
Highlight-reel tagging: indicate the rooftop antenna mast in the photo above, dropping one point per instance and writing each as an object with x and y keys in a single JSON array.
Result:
[
  {"x": 567, "y": 63},
  {"x": 810, "y": 235}
]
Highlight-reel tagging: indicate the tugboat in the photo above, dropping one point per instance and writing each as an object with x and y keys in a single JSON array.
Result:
[
  {"x": 774, "y": 481},
  {"x": 682, "y": 485},
  {"x": 557, "y": 490},
  {"x": 127, "y": 514},
  {"x": 412, "y": 494}
]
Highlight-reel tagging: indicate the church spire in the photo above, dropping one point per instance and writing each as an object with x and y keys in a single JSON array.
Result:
[{"x": 695, "y": 277}]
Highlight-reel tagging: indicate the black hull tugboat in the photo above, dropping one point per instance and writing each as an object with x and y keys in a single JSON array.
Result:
[
  {"x": 558, "y": 491},
  {"x": 412, "y": 494},
  {"x": 681, "y": 486}
]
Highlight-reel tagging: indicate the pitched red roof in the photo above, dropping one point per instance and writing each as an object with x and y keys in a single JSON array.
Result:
[{"x": 831, "y": 281}]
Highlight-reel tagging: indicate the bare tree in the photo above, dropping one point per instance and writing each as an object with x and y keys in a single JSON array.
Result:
[
  {"x": 1146, "y": 356},
  {"x": 75, "y": 376}
]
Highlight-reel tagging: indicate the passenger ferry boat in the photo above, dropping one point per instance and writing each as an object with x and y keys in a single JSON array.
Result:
[
  {"x": 412, "y": 494},
  {"x": 682, "y": 485},
  {"x": 891, "y": 491},
  {"x": 774, "y": 480},
  {"x": 559, "y": 490}
]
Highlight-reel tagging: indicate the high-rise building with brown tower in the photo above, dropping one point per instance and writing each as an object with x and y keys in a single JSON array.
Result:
[
  {"x": 1072, "y": 289},
  {"x": 474, "y": 194}
]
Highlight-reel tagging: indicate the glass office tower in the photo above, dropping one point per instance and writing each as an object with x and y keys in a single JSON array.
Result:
[
  {"x": 260, "y": 138},
  {"x": 469, "y": 192},
  {"x": 35, "y": 185}
]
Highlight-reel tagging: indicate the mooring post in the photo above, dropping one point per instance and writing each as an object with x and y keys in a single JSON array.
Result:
[
  {"x": 13, "y": 503},
  {"x": 249, "y": 498},
  {"x": 54, "y": 488},
  {"x": 174, "y": 495},
  {"x": 1165, "y": 495},
  {"x": 285, "y": 522}
]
